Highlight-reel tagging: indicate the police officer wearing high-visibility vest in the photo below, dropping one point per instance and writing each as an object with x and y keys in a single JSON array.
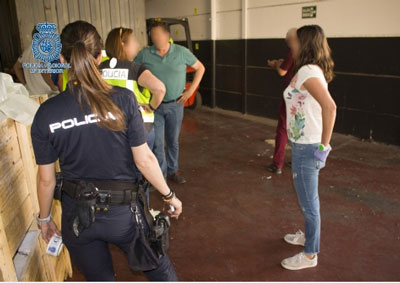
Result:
[
  {"x": 122, "y": 47},
  {"x": 97, "y": 133}
]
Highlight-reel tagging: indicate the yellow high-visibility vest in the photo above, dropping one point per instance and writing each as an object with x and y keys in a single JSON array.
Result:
[{"x": 143, "y": 97}]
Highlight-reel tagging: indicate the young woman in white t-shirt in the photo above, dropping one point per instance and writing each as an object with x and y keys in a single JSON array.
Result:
[{"x": 311, "y": 114}]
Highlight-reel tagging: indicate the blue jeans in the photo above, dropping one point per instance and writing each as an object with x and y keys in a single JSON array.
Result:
[
  {"x": 90, "y": 251},
  {"x": 167, "y": 125},
  {"x": 305, "y": 169},
  {"x": 151, "y": 136}
]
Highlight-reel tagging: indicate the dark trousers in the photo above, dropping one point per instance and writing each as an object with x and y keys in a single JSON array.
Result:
[
  {"x": 90, "y": 250},
  {"x": 281, "y": 137}
]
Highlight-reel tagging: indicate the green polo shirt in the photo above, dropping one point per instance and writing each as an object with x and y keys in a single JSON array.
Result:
[{"x": 170, "y": 69}]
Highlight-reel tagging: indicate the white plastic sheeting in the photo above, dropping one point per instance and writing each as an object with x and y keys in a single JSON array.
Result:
[{"x": 15, "y": 102}]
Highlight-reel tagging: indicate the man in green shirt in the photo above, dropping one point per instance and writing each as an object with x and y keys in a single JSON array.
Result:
[{"x": 168, "y": 62}]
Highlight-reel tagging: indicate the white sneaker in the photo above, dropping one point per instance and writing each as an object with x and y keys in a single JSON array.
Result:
[
  {"x": 296, "y": 239},
  {"x": 299, "y": 261}
]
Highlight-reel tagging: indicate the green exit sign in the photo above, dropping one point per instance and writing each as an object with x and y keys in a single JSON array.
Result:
[{"x": 309, "y": 12}]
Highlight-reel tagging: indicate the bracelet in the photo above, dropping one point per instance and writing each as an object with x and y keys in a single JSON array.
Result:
[
  {"x": 169, "y": 194},
  {"x": 151, "y": 107},
  {"x": 169, "y": 200},
  {"x": 43, "y": 220},
  {"x": 169, "y": 197}
]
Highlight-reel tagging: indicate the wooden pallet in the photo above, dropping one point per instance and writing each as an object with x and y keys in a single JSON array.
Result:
[{"x": 18, "y": 207}]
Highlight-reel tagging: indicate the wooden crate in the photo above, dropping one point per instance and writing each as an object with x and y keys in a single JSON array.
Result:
[{"x": 18, "y": 206}]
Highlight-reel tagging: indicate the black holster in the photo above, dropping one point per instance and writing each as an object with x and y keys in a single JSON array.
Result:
[
  {"x": 58, "y": 188},
  {"x": 148, "y": 245},
  {"x": 83, "y": 215},
  {"x": 159, "y": 236},
  {"x": 83, "y": 212}
]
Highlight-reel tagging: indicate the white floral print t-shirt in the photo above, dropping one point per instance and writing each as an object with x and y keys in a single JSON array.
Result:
[{"x": 303, "y": 112}]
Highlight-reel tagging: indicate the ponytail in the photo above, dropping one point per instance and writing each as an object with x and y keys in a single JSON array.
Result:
[{"x": 81, "y": 45}]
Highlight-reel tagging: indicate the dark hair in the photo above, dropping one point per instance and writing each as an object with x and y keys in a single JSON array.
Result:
[
  {"x": 114, "y": 42},
  {"x": 314, "y": 49},
  {"x": 81, "y": 45},
  {"x": 161, "y": 24}
]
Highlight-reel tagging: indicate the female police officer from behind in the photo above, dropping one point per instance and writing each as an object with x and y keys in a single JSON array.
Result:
[{"x": 97, "y": 133}]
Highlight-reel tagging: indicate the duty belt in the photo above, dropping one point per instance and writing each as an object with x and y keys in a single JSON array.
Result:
[{"x": 106, "y": 192}]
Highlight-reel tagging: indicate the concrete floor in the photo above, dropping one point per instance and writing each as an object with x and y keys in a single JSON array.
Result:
[{"x": 235, "y": 215}]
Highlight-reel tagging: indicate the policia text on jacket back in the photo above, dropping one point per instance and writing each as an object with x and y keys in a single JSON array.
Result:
[{"x": 98, "y": 135}]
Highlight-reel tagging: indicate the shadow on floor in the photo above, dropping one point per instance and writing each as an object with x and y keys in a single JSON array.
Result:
[{"x": 236, "y": 212}]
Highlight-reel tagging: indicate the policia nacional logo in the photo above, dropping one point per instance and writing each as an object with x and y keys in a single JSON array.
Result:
[
  {"x": 46, "y": 48},
  {"x": 46, "y": 44}
]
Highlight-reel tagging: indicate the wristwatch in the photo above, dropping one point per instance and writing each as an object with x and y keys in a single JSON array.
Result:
[{"x": 39, "y": 220}]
